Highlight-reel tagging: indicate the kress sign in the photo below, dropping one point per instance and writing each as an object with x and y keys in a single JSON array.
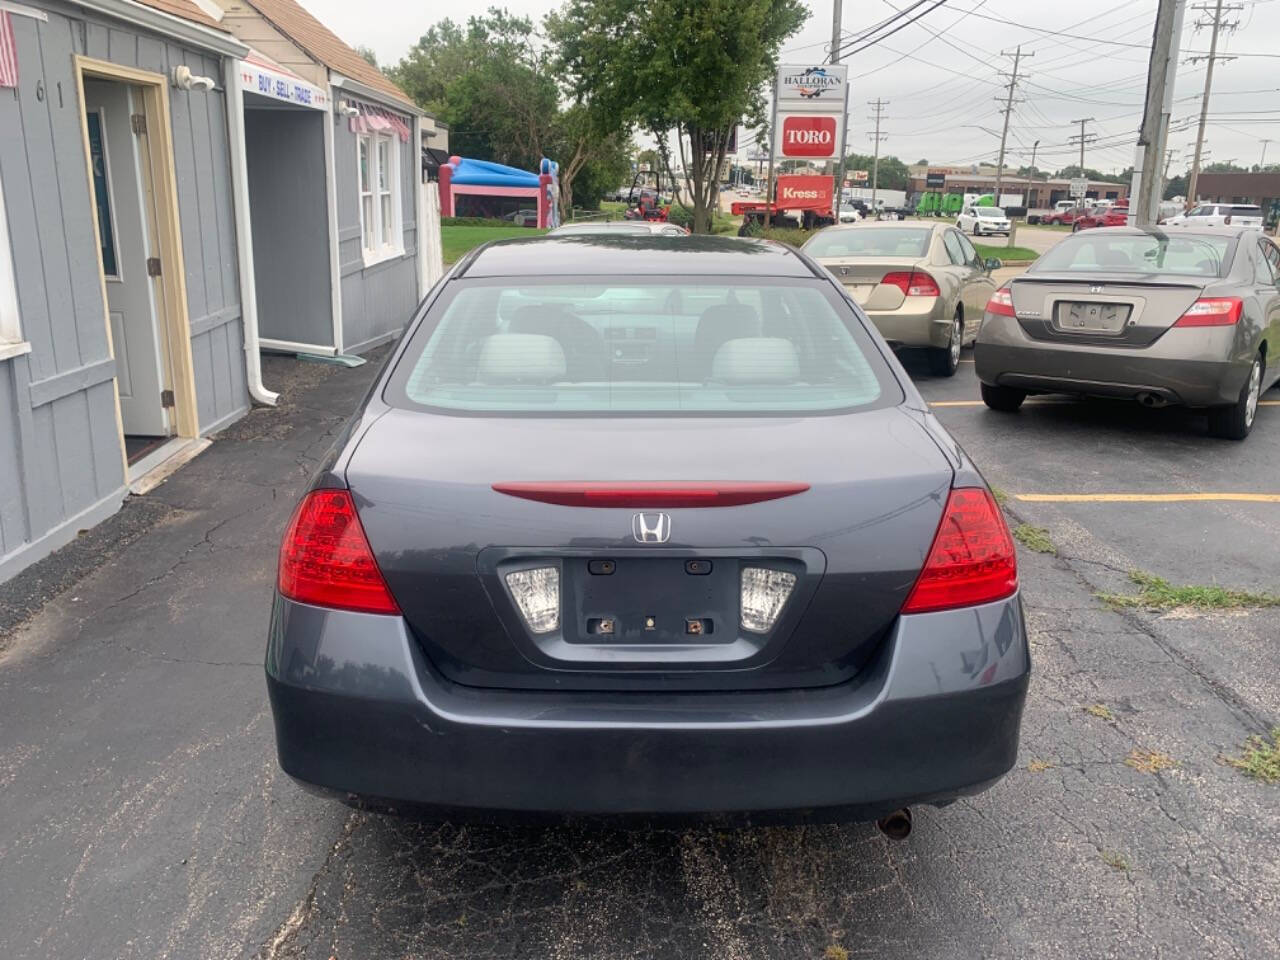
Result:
[{"x": 805, "y": 192}]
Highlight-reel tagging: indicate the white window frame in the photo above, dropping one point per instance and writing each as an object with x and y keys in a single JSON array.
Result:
[
  {"x": 11, "y": 342},
  {"x": 380, "y": 251}
]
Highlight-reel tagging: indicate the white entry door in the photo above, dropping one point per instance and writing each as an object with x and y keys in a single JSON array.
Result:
[{"x": 119, "y": 194}]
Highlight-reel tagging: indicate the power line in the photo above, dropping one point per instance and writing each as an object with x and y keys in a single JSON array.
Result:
[{"x": 845, "y": 51}]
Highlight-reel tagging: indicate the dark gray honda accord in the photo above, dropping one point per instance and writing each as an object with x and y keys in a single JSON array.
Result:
[{"x": 638, "y": 525}]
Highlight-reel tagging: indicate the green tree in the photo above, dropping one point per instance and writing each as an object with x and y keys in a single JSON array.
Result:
[
  {"x": 494, "y": 82},
  {"x": 1176, "y": 187},
  {"x": 367, "y": 53},
  {"x": 490, "y": 82},
  {"x": 696, "y": 66},
  {"x": 1068, "y": 173},
  {"x": 892, "y": 174}
]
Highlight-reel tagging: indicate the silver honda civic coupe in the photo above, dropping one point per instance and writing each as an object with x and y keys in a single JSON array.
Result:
[{"x": 1175, "y": 315}]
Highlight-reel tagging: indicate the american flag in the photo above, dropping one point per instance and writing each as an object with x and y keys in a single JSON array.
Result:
[{"x": 8, "y": 52}]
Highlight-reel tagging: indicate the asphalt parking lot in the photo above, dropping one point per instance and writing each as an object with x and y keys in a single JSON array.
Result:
[{"x": 145, "y": 815}]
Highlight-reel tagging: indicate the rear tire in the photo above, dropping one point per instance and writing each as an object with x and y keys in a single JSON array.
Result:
[
  {"x": 1235, "y": 422},
  {"x": 943, "y": 361},
  {"x": 1004, "y": 399}
]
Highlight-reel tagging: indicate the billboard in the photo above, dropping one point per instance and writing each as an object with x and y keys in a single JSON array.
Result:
[
  {"x": 823, "y": 84},
  {"x": 812, "y": 137},
  {"x": 935, "y": 179},
  {"x": 809, "y": 111},
  {"x": 804, "y": 192}
]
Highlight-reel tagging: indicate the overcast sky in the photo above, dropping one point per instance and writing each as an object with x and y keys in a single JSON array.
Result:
[{"x": 941, "y": 89}]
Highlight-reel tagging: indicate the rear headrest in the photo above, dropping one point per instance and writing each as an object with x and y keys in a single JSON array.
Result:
[
  {"x": 520, "y": 358},
  {"x": 756, "y": 360}
]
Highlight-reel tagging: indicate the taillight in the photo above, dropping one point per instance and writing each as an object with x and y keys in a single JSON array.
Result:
[
  {"x": 325, "y": 558},
  {"x": 1212, "y": 312},
  {"x": 972, "y": 559},
  {"x": 912, "y": 283},
  {"x": 1001, "y": 303}
]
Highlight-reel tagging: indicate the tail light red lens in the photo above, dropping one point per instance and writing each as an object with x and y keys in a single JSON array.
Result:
[
  {"x": 912, "y": 283},
  {"x": 326, "y": 560},
  {"x": 1001, "y": 303},
  {"x": 1212, "y": 312},
  {"x": 972, "y": 559}
]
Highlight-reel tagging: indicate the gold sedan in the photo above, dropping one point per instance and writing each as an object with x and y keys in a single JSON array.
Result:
[{"x": 923, "y": 285}]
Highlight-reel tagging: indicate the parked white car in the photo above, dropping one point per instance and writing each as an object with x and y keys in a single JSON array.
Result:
[
  {"x": 983, "y": 220},
  {"x": 1218, "y": 215}
]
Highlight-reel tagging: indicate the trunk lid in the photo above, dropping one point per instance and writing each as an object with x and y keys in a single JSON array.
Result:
[
  {"x": 1110, "y": 309},
  {"x": 862, "y": 279},
  {"x": 445, "y": 539}
]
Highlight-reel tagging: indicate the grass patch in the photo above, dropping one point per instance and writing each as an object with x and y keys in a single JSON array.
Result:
[
  {"x": 1114, "y": 859},
  {"x": 1007, "y": 254},
  {"x": 1039, "y": 766},
  {"x": 835, "y": 952},
  {"x": 1034, "y": 538},
  {"x": 1260, "y": 759},
  {"x": 1099, "y": 710},
  {"x": 1156, "y": 593},
  {"x": 459, "y": 240},
  {"x": 1002, "y": 498},
  {"x": 1149, "y": 761}
]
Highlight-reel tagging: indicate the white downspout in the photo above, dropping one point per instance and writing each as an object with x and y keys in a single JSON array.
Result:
[
  {"x": 420, "y": 209},
  {"x": 331, "y": 195},
  {"x": 244, "y": 233}
]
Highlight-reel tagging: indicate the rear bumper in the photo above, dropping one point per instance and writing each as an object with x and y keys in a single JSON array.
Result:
[
  {"x": 1189, "y": 367},
  {"x": 919, "y": 322},
  {"x": 359, "y": 711}
]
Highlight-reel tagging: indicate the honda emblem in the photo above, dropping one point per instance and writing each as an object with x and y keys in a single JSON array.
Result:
[{"x": 651, "y": 527}]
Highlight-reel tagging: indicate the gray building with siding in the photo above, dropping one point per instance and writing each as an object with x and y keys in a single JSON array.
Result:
[
  {"x": 190, "y": 181},
  {"x": 62, "y": 440}
]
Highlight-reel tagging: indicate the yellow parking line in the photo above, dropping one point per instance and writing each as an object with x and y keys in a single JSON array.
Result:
[{"x": 1146, "y": 497}]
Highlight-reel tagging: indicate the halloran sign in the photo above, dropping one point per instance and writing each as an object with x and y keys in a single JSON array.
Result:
[
  {"x": 823, "y": 83},
  {"x": 809, "y": 110}
]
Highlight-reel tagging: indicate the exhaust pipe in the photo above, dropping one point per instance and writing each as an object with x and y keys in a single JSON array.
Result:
[
  {"x": 897, "y": 825},
  {"x": 1152, "y": 400}
]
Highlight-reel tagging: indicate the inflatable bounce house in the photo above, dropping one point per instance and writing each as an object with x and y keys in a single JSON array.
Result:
[{"x": 478, "y": 188}]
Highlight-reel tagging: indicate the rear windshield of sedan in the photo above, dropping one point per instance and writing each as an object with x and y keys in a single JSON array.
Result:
[
  {"x": 912, "y": 242},
  {"x": 992, "y": 213},
  {"x": 626, "y": 346},
  {"x": 1191, "y": 256}
]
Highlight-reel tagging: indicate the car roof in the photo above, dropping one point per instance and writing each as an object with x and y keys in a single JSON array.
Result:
[
  {"x": 1167, "y": 230},
  {"x": 623, "y": 254},
  {"x": 884, "y": 225}
]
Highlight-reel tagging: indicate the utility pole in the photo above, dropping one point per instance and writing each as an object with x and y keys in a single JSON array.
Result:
[
  {"x": 1217, "y": 25},
  {"x": 1162, "y": 70},
  {"x": 1026, "y": 200},
  {"x": 1082, "y": 139},
  {"x": 1263, "y": 161},
  {"x": 876, "y": 138},
  {"x": 1007, "y": 110},
  {"x": 837, "y": 28}
]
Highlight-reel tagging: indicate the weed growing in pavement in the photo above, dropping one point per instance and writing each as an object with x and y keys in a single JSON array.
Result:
[
  {"x": 1034, "y": 538},
  {"x": 1156, "y": 593},
  {"x": 835, "y": 952},
  {"x": 1099, "y": 710},
  {"x": 1039, "y": 766},
  {"x": 1260, "y": 759},
  {"x": 1149, "y": 761},
  {"x": 1115, "y": 860},
  {"x": 1002, "y": 498}
]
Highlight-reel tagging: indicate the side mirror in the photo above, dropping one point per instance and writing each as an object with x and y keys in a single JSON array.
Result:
[{"x": 993, "y": 263}]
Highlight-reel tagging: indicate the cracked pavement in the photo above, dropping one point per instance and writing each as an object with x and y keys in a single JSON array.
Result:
[{"x": 145, "y": 815}]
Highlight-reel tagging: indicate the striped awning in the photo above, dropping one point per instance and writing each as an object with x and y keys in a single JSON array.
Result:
[{"x": 372, "y": 119}]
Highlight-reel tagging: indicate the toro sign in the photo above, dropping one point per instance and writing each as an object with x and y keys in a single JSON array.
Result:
[{"x": 808, "y": 136}]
